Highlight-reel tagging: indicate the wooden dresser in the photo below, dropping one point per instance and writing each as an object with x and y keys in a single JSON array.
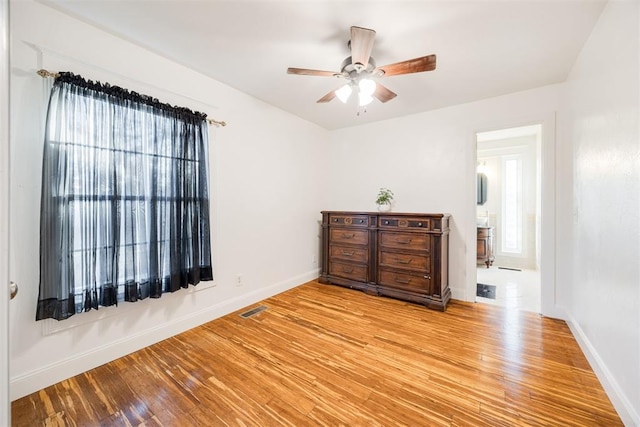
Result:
[
  {"x": 400, "y": 255},
  {"x": 485, "y": 245}
]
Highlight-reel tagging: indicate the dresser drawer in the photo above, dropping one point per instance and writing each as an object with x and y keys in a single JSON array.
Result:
[
  {"x": 349, "y": 235},
  {"x": 349, "y": 253},
  {"x": 349, "y": 220},
  {"x": 406, "y": 261},
  {"x": 410, "y": 223},
  {"x": 420, "y": 283},
  {"x": 417, "y": 241},
  {"x": 348, "y": 271},
  {"x": 481, "y": 249},
  {"x": 400, "y": 255},
  {"x": 484, "y": 232}
]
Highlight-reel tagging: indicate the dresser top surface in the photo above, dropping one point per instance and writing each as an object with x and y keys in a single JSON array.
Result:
[{"x": 438, "y": 215}]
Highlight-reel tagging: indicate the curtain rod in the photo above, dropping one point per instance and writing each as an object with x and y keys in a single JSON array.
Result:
[{"x": 44, "y": 73}]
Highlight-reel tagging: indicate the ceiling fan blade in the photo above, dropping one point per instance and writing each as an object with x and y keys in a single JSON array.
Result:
[
  {"x": 383, "y": 94},
  {"x": 307, "y": 72},
  {"x": 361, "y": 45},
  {"x": 416, "y": 65},
  {"x": 328, "y": 97}
]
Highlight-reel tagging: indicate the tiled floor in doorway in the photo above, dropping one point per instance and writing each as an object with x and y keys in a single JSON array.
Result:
[{"x": 514, "y": 289}]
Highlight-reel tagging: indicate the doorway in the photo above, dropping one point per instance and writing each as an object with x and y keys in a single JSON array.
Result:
[{"x": 508, "y": 217}]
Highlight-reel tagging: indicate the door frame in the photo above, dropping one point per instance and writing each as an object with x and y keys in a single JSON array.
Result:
[
  {"x": 5, "y": 404},
  {"x": 548, "y": 303}
]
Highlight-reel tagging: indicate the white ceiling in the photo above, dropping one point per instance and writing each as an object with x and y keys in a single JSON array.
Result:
[{"x": 484, "y": 48}]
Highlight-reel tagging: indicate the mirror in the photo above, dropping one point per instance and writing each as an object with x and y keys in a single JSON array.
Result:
[{"x": 482, "y": 189}]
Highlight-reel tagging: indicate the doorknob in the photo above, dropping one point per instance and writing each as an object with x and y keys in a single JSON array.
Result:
[{"x": 14, "y": 290}]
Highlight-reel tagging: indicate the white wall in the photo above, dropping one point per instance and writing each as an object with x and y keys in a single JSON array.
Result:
[
  {"x": 429, "y": 161},
  {"x": 600, "y": 128},
  {"x": 267, "y": 192},
  {"x": 5, "y": 408}
]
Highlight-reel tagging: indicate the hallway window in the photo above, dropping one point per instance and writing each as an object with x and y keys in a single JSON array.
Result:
[{"x": 512, "y": 204}]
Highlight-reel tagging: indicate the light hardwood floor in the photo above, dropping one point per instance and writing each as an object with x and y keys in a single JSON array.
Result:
[{"x": 325, "y": 355}]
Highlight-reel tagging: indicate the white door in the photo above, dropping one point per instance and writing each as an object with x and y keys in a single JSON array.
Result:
[{"x": 5, "y": 412}]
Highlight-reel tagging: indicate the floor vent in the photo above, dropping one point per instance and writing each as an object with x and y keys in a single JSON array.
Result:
[
  {"x": 253, "y": 311},
  {"x": 486, "y": 291}
]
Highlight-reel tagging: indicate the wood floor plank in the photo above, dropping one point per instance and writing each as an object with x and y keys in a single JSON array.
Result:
[{"x": 329, "y": 356}]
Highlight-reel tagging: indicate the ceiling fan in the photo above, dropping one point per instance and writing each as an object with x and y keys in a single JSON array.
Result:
[{"x": 360, "y": 70}]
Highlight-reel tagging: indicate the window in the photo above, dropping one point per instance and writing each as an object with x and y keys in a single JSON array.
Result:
[
  {"x": 512, "y": 204},
  {"x": 125, "y": 205}
]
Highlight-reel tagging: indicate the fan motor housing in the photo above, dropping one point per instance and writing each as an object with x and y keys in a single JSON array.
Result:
[{"x": 353, "y": 70}]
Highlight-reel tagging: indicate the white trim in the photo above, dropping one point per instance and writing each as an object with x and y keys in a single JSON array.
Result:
[
  {"x": 548, "y": 278},
  {"x": 5, "y": 407},
  {"x": 52, "y": 326},
  {"x": 458, "y": 292},
  {"x": 628, "y": 414},
  {"x": 79, "y": 363},
  {"x": 548, "y": 202}
]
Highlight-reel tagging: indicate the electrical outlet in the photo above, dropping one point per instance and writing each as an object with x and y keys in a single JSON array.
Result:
[
  {"x": 238, "y": 279},
  {"x": 314, "y": 259}
]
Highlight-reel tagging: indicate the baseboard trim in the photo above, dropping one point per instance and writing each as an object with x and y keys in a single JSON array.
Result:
[
  {"x": 628, "y": 414},
  {"x": 458, "y": 294},
  {"x": 45, "y": 376}
]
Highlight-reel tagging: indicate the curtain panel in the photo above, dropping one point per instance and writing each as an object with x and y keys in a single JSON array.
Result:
[{"x": 125, "y": 203}]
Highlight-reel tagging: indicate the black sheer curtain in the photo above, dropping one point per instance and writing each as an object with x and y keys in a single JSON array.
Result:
[{"x": 125, "y": 204}]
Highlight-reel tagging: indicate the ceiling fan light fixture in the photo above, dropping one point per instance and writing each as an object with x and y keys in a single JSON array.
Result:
[
  {"x": 344, "y": 93},
  {"x": 364, "y": 99},
  {"x": 360, "y": 71},
  {"x": 367, "y": 86}
]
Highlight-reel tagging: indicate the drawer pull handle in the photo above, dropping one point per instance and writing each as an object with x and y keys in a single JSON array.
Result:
[
  {"x": 344, "y": 270},
  {"x": 361, "y": 221},
  {"x": 335, "y": 220},
  {"x": 404, "y": 282},
  {"x": 419, "y": 224},
  {"x": 427, "y": 277},
  {"x": 386, "y": 223},
  {"x": 348, "y": 253},
  {"x": 403, "y": 261},
  {"x": 348, "y": 236},
  {"x": 404, "y": 242}
]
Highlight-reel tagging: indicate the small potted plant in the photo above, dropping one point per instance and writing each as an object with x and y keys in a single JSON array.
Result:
[{"x": 385, "y": 197}]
